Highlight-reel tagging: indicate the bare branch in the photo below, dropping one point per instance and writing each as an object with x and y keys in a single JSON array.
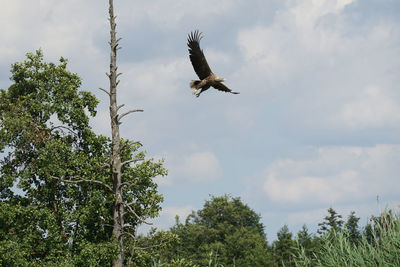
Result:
[
  {"x": 119, "y": 117},
  {"x": 125, "y": 184},
  {"x": 126, "y": 144},
  {"x": 153, "y": 246},
  {"x": 162, "y": 242},
  {"x": 121, "y": 148},
  {"x": 104, "y": 90},
  {"x": 137, "y": 143},
  {"x": 118, "y": 74},
  {"x": 62, "y": 127},
  {"x": 131, "y": 160},
  {"x": 131, "y": 235},
  {"x": 108, "y": 165},
  {"x": 135, "y": 214},
  {"x": 120, "y": 106},
  {"x": 82, "y": 181}
]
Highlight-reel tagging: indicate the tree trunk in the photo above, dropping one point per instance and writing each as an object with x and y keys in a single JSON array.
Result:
[{"x": 118, "y": 208}]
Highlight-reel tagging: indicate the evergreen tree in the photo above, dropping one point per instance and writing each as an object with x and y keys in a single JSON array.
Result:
[
  {"x": 304, "y": 238},
  {"x": 283, "y": 247},
  {"x": 332, "y": 222},
  {"x": 352, "y": 228}
]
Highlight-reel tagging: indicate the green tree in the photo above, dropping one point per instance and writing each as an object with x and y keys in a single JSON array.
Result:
[
  {"x": 307, "y": 241},
  {"x": 352, "y": 228},
  {"x": 304, "y": 238},
  {"x": 332, "y": 222},
  {"x": 63, "y": 215},
  {"x": 283, "y": 248},
  {"x": 225, "y": 232},
  {"x": 382, "y": 248},
  {"x": 45, "y": 134}
]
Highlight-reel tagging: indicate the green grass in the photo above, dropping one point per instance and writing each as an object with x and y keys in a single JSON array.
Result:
[{"x": 382, "y": 248}]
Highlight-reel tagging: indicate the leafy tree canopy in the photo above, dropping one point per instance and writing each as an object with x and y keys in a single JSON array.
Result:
[
  {"x": 225, "y": 231},
  {"x": 62, "y": 169}
]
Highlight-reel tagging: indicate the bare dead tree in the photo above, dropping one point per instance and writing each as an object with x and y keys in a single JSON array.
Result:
[{"x": 116, "y": 164}]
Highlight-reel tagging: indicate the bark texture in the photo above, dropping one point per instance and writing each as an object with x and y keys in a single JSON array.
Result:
[{"x": 118, "y": 208}]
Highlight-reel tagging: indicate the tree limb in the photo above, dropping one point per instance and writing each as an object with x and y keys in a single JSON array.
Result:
[
  {"x": 62, "y": 127},
  {"x": 126, "y": 184},
  {"x": 120, "y": 106},
  {"x": 126, "y": 144},
  {"x": 104, "y": 90},
  {"x": 83, "y": 180},
  {"x": 119, "y": 117},
  {"x": 130, "y": 161},
  {"x": 135, "y": 214}
]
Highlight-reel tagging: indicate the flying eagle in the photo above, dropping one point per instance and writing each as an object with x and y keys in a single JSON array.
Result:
[{"x": 200, "y": 65}]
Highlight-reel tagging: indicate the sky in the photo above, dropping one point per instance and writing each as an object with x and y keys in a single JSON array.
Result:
[{"x": 317, "y": 121}]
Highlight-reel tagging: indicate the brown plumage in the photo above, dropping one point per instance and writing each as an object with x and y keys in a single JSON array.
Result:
[{"x": 200, "y": 66}]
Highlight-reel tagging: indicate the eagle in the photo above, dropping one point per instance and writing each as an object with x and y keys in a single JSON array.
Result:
[{"x": 200, "y": 66}]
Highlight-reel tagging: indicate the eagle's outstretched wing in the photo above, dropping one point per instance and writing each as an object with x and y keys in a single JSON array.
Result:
[
  {"x": 196, "y": 55},
  {"x": 222, "y": 87}
]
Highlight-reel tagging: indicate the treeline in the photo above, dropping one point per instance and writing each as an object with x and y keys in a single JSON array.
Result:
[{"x": 226, "y": 232}]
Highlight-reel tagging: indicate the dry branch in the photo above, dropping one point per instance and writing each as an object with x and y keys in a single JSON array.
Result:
[{"x": 83, "y": 181}]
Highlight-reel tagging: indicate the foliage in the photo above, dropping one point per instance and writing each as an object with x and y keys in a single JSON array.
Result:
[
  {"x": 352, "y": 228},
  {"x": 338, "y": 250},
  {"x": 331, "y": 223},
  {"x": 283, "y": 247},
  {"x": 225, "y": 232},
  {"x": 45, "y": 130},
  {"x": 61, "y": 169},
  {"x": 307, "y": 240}
]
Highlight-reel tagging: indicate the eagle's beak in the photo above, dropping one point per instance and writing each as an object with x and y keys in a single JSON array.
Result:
[{"x": 195, "y": 91}]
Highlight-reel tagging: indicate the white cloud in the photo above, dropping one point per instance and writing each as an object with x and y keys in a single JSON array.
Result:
[
  {"x": 156, "y": 81},
  {"x": 295, "y": 42},
  {"x": 170, "y": 212},
  {"x": 60, "y": 28},
  {"x": 195, "y": 167},
  {"x": 332, "y": 73},
  {"x": 167, "y": 217},
  {"x": 335, "y": 175},
  {"x": 374, "y": 107},
  {"x": 328, "y": 189}
]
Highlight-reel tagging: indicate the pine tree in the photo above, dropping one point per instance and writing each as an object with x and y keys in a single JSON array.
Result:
[
  {"x": 332, "y": 222},
  {"x": 283, "y": 247},
  {"x": 352, "y": 228}
]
